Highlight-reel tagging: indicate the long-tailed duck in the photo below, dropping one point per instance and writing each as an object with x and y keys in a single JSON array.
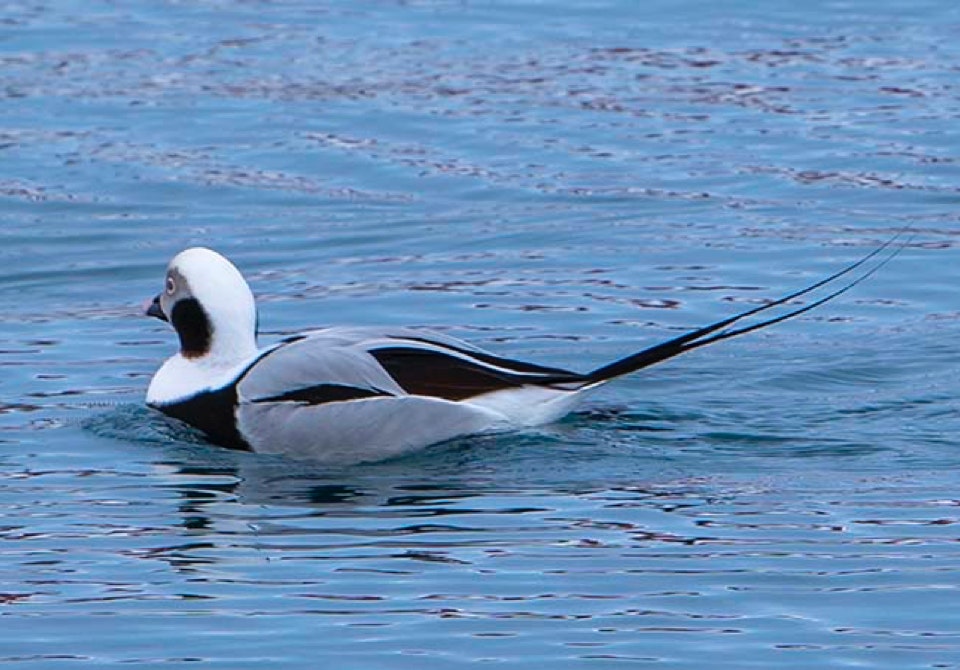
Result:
[{"x": 361, "y": 394}]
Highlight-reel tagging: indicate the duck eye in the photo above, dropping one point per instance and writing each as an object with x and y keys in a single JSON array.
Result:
[{"x": 171, "y": 285}]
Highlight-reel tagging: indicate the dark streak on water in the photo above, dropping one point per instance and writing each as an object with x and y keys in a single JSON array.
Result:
[{"x": 560, "y": 182}]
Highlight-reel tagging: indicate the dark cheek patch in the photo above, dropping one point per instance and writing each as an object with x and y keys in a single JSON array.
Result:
[{"x": 192, "y": 326}]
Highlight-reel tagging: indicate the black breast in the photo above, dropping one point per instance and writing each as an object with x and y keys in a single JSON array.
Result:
[{"x": 213, "y": 413}]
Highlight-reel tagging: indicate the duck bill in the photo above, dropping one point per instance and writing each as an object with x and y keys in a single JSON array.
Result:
[{"x": 153, "y": 309}]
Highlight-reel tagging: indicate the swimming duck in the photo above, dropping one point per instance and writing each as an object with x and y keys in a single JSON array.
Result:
[{"x": 347, "y": 394}]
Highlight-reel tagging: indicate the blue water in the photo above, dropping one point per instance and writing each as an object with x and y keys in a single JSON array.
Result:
[{"x": 562, "y": 182}]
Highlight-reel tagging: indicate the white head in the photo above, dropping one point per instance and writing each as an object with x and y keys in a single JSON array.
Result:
[{"x": 208, "y": 302}]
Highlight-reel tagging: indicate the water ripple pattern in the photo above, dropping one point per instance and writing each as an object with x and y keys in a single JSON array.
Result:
[{"x": 562, "y": 182}]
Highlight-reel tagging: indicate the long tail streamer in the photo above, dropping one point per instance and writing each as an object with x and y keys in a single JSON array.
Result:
[{"x": 722, "y": 330}]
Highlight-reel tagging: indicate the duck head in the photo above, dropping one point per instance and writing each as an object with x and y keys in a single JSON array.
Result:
[{"x": 210, "y": 305}]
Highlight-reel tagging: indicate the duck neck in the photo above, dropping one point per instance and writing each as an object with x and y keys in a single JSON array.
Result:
[
  {"x": 227, "y": 348},
  {"x": 180, "y": 377}
]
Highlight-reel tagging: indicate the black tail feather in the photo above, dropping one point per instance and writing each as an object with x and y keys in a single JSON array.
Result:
[{"x": 709, "y": 334}]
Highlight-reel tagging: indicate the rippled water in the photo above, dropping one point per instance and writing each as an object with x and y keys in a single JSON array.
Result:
[{"x": 563, "y": 182}]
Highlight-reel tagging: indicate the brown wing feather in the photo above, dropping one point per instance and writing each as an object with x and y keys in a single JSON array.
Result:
[{"x": 440, "y": 375}]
